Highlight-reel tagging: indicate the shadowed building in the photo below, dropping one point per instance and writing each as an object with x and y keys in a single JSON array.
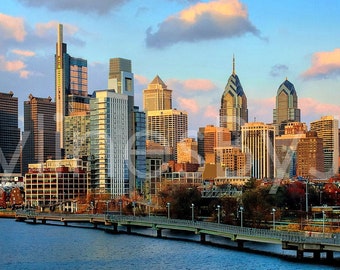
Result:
[{"x": 286, "y": 107}]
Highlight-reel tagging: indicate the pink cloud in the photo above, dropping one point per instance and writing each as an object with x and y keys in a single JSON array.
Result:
[
  {"x": 187, "y": 104},
  {"x": 13, "y": 66},
  {"x": 12, "y": 28},
  {"x": 23, "y": 53},
  {"x": 324, "y": 64},
  {"x": 141, "y": 79},
  {"x": 261, "y": 110},
  {"x": 42, "y": 28},
  {"x": 211, "y": 112},
  {"x": 203, "y": 85},
  {"x": 312, "y": 109}
]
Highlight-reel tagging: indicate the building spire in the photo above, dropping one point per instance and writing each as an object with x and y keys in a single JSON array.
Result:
[{"x": 233, "y": 64}]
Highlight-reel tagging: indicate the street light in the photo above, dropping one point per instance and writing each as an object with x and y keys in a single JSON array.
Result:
[
  {"x": 273, "y": 213},
  {"x": 168, "y": 206},
  {"x": 134, "y": 208},
  {"x": 149, "y": 206},
  {"x": 323, "y": 222},
  {"x": 241, "y": 212},
  {"x": 192, "y": 212},
  {"x": 218, "y": 214},
  {"x": 120, "y": 207}
]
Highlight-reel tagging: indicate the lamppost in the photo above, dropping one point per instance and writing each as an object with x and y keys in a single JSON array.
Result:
[
  {"x": 273, "y": 213},
  {"x": 307, "y": 199},
  {"x": 218, "y": 214},
  {"x": 120, "y": 207},
  {"x": 323, "y": 222},
  {"x": 134, "y": 208},
  {"x": 192, "y": 212},
  {"x": 149, "y": 206},
  {"x": 241, "y": 212},
  {"x": 168, "y": 206}
]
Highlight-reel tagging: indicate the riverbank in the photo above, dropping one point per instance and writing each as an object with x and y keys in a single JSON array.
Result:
[{"x": 7, "y": 214}]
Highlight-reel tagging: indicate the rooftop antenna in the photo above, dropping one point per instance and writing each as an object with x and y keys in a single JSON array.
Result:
[{"x": 233, "y": 64}]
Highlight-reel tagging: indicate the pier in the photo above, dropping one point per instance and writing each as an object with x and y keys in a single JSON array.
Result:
[{"x": 296, "y": 241}]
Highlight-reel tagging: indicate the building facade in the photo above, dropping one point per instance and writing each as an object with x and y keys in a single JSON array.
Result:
[
  {"x": 77, "y": 135},
  {"x": 56, "y": 183},
  {"x": 187, "y": 151},
  {"x": 109, "y": 143},
  {"x": 327, "y": 128},
  {"x": 167, "y": 127},
  {"x": 9, "y": 135},
  {"x": 157, "y": 96},
  {"x": 234, "y": 109},
  {"x": 286, "y": 107},
  {"x": 258, "y": 142},
  {"x": 40, "y": 139},
  {"x": 310, "y": 156}
]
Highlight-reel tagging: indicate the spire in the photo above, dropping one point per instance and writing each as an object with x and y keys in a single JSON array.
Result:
[{"x": 233, "y": 64}]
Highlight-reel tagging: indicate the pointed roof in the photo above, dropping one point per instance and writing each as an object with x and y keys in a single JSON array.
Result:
[
  {"x": 288, "y": 86},
  {"x": 234, "y": 83},
  {"x": 158, "y": 80}
]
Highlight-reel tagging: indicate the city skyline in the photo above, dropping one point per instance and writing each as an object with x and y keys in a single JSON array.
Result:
[{"x": 270, "y": 41}]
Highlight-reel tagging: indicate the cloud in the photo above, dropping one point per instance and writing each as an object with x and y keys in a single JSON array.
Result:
[
  {"x": 12, "y": 28},
  {"x": 191, "y": 85},
  {"x": 261, "y": 109},
  {"x": 324, "y": 65},
  {"x": 188, "y": 105},
  {"x": 312, "y": 108},
  {"x": 82, "y": 6},
  {"x": 203, "y": 21},
  {"x": 23, "y": 53},
  {"x": 15, "y": 66},
  {"x": 211, "y": 112},
  {"x": 278, "y": 70},
  {"x": 141, "y": 80}
]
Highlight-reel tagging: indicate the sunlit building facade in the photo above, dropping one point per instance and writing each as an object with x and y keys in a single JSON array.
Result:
[{"x": 258, "y": 142}]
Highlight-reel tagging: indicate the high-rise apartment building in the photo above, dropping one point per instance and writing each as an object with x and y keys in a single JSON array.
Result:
[
  {"x": 121, "y": 80},
  {"x": 157, "y": 96},
  {"x": 109, "y": 143},
  {"x": 211, "y": 137},
  {"x": 9, "y": 135},
  {"x": 71, "y": 92},
  {"x": 77, "y": 135},
  {"x": 327, "y": 128},
  {"x": 285, "y": 149},
  {"x": 310, "y": 156},
  {"x": 234, "y": 108},
  {"x": 258, "y": 142},
  {"x": 167, "y": 127},
  {"x": 40, "y": 138},
  {"x": 187, "y": 151},
  {"x": 286, "y": 107}
]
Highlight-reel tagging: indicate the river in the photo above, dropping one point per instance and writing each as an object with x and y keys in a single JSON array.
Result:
[{"x": 28, "y": 246}]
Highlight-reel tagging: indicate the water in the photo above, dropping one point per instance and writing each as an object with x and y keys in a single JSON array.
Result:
[{"x": 27, "y": 246}]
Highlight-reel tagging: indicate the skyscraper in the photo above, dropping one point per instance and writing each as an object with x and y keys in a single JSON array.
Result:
[
  {"x": 109, "y": 143},
  {"x": 157, "y": 96},
  {"x": 258, "y": 143},
  {"x": 39, "y": 130},
  {"x": 286, "y": 107},
  {"x": 327, "y": 129},
  {"x": 71, "y": 92},
  {"x": 233, "y": 110},
  {"x": 167, "y": 127},
  {"x": 9, "y": 135}
]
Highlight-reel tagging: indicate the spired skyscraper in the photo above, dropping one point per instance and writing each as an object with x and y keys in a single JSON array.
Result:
[
  {"x": 286, "y": 107},
  {"x": 234, "y": 108},
  {"x": 71, "y": 93}
]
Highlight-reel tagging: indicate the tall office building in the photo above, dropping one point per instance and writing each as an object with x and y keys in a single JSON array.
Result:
[
  {"x": 9, "y": 135},
  {"x": 167, "y": 127},
  {"x": 234, "y": 108},
  {"x": 286, "y": 107},
  {"x": 40, "y": 138},
  {"x": 77, "y": 135},
  {"x": 211, "y": 137},
  {"x": 310, "y": 156},
  {"x": 286, "y": 149},
  {"x": 327, "y": 129},
  {"x": 71, "y": 93},
  {"x": 157, "y": 96},
  {"x": 258, "y": 142},
  {"x": 109, "y": 143}
]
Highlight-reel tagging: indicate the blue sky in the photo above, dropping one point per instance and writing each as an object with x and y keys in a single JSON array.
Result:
[{"x": 188, "y": 43}]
